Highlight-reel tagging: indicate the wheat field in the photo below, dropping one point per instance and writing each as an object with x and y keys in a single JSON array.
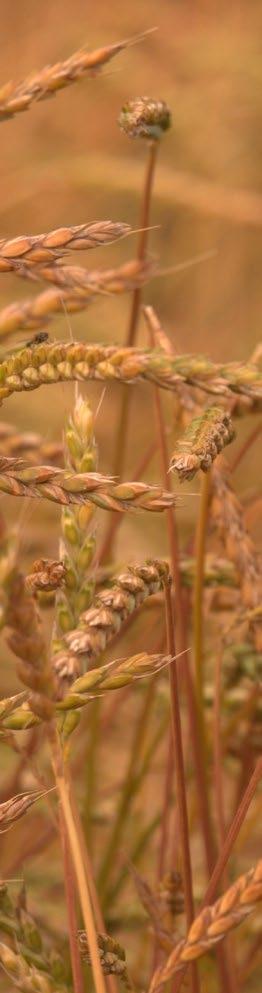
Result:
[{"x": 130, "y": 481}]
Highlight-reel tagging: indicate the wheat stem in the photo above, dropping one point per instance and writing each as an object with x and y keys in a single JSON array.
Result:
[
  {"x": 180, "y": 777},
  {"x": 71, "y": 910},
  {"x": 73, "y": 838}
]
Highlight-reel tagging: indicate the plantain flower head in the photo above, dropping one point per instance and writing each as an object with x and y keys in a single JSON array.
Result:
[{"x": 145, "y": 118}]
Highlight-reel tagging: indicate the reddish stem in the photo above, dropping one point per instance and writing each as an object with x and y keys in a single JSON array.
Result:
[{"x": 180, "y": 778}]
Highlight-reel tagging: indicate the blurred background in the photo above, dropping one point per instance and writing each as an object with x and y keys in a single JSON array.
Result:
[{"x": 66, "y": 162}]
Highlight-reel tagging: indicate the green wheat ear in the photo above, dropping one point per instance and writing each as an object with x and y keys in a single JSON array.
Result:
[{"x": 78, "y": 543}]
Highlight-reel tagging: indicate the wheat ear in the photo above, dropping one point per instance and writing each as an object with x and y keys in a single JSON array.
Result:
[
  {"x": 76, "y": 288},
  {"x": 15, "y": 98},
  {"x": 35, "y": 250},
  {"x": 52, "y": 363},
  {"x": 213, "y": 924},
  {"x": 204, "y": 438},
  {"x": 67, "y": 488}
]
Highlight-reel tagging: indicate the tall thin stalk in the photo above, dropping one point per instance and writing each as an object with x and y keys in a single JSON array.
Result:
[
  {"x": 198, "y": 596},
  {"x": 180, "y": 622},
  {"x": 180, "y": 779},
  {"x": 73, "y": 838},
  {"x": 69, "y": 885},
  {"x": 120, "y": 447}
]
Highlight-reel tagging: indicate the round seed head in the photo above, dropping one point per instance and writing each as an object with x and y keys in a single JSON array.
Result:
[{"x": 145, "y": 118}]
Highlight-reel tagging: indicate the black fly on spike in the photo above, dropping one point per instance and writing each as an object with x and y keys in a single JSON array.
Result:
[{"x": 38, "y": 339}]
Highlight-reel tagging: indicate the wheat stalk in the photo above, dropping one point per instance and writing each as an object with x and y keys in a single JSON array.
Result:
[
  {"x": 76, "y": 287},
  {"x": 213, "y": 924},
  {"x": 204, "y": 438},
  {"x": 39, "y": 249},
  {"x": 15, "y": 98},
  {"x": 58, "y": 362}
]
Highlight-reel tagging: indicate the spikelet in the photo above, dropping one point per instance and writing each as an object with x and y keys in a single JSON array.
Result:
[
  {"x": 17, "y": 807},
  {"x": 46, "y": 576},
  {"x": 204, "y": 438},
  {"x": 33, "y": 250},
  {"x": 58, "y": 362}
]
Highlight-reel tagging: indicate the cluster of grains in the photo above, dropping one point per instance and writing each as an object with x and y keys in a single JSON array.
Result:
[
  {"x": 53, "y": 363},
  {"x": 213, "y": 923},
  {"x": 98, "y": 625},
  {"x": 34, "y": 250},
  {"x": 112, "y": 956},
  {"x": 46, "y": 576},
  {"x": 204, "y": 438}
]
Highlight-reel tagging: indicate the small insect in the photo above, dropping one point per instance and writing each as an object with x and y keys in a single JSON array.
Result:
[{"x": 37, "y": 339}]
